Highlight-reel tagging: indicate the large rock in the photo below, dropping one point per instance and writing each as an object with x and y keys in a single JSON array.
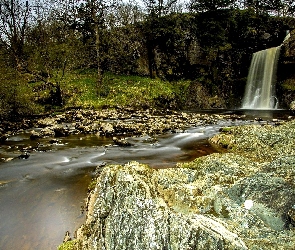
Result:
[
  {"x": 46, "y": 122},
  {"x": 289, "y": 47},
  {"x": 135, "y": 207},
  {"x": 129, "y": 210},
  {"x": 286, "y": 73},
  {"x": 60, "y": 131},
  {"x": 292, "y": 107},
  {"x": 260, "y": 143},
  {"x": 244, "y": 199}
]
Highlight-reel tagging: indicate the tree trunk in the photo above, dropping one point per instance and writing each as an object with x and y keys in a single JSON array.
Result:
[
  {"x": 99, "y": 71},
  {"x": 96, "y": 20},
  {"x": 151, "y": 57}
]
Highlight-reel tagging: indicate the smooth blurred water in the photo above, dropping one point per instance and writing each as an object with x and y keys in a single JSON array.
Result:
[
  {"x": 41, "y": 197},
  {"x": 261, "y": 80}
]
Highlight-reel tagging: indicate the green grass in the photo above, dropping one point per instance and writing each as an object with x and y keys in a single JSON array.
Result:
[
  {"x": 70, "y": 245},
  {"x": 79, "y": 89}
]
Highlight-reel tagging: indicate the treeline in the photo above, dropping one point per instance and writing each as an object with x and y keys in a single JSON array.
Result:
[{"x": 209, "y": 42}]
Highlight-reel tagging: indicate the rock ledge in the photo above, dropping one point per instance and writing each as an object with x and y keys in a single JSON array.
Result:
[{"x": 243, "y": 199}]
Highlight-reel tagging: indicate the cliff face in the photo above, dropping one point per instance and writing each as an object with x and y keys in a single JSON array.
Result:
[
  {"x": 239, "y": 200},
  {"x": 286, "y": 72}
]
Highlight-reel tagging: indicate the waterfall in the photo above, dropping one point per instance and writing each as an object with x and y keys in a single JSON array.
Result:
[{"x": 260, "y": 88}]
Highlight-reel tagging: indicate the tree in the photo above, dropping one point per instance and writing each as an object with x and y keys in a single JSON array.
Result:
[
  {"x": 267, "y": 6},
  {"x": 289, "y": 8},
  {"x": 53, "y": 47},
  {"x": 14, "y": 23},
  {"x": 271, "y": 7},
  {"x": 155, "y": 9},
  {"x": 97, "y": 10},
  {"x": 211, "y": 5},
  {"x": 122, "y": 41},
  {"x": 125, "y": 14}
]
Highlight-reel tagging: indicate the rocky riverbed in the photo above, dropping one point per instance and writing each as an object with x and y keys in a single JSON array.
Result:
[
  {"x": 242, "y": 199},
  {"x": 116, "y": 123},
  {"x": 111, "y": 122}
]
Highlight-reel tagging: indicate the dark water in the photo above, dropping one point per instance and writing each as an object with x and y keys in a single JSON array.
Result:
[{"x": 42, "y": 197}]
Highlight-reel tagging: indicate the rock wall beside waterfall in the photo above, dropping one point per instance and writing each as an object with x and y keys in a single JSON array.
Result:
[
  {"x": 244, "y": 199},
  {"x": 286, "y": 72}
]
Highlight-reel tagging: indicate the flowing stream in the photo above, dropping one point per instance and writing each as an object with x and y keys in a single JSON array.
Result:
[{"x": 42, "y": 197}]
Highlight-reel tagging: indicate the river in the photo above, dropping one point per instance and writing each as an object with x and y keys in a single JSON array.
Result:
[{"x": 42, "y": 195}]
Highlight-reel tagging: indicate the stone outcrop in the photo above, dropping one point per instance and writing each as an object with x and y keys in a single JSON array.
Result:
[
  {"x": 260, "y": 143},
  {"x": 242, "y": 199},
  {"x": 289, "y": 47},
  {"x": 134, "y": 207},
  {"x": 286, "y": 74}
]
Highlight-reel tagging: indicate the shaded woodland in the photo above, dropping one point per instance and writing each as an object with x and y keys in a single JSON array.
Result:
[{"x": 208, "y": 43}]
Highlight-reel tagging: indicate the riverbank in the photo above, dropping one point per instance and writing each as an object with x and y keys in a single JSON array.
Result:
[
  {"x": 242, "y": 199},
  {"x": 117, "y": 123},
  {"x": 48, "y": 130},
  {"x": 124, "y": 121}
]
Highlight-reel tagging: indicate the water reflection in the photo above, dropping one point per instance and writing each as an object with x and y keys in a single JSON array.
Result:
[
  {"x": 37, "y": 209},
  {"x": 265, "y": 114}
]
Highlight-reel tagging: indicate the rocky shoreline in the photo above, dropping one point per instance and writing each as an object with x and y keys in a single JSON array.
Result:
[
  {"x": 242, "y": 199},
  {"x": 109, "y": 122},
  {"x": 48, "y": 130},
  {"x": 113, "y": 122}
]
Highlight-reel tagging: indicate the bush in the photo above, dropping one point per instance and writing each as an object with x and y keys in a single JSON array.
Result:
[{"x": 16, "y": 96}]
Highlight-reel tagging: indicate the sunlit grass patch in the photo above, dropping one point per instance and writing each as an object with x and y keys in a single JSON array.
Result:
[{"x": 81, "y": 90}]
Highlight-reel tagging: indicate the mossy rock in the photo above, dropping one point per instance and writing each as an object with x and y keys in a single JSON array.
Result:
[{"x": 70, "y": 245}]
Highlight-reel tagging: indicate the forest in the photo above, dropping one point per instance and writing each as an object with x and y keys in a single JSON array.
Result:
[{"x": 62, "y": 54}]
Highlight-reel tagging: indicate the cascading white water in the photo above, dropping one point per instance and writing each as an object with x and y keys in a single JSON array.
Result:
[{"x": 260, "y": 88}]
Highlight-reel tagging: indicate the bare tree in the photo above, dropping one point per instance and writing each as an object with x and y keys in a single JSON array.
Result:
[
  {"x": 126, "y": 13},
  {"x": 159, "y": 7},
  {"x": 204, "y": 5},
  {"x": 14, "y": 21}
]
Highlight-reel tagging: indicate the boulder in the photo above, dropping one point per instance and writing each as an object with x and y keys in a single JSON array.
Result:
[
  {"x": 107, "y": 128},
  {"x": 292, "y": 107},
  {"x": 135, "y": 207},
  {"x": 121, "y": 142},
  {"x": 46, "y": 122},
  {"x": 242, "y": 199},
  {"x": 3, "y": 137},
  {"x": 259, "y": 142},
  {"x": 35, "y": 135},
  {"x": 126, "y": 211},
  {"x": 60, "y": 131},
  {"x": 47, "y": 132}
]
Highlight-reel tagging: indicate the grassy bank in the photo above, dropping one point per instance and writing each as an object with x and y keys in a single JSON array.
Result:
[
  {"x": 27, "y": 94},
  {"x": 79, "y": 89}
]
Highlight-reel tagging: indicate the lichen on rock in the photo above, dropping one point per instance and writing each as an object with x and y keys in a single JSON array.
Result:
[
  {"x": 130, "y": 213},
  {"x": 236, "y": 200}
]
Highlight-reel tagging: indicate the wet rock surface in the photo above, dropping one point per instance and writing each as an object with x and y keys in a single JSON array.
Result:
[
  {"x": 260, "y": 143},
  {"x": 107, "y": 122},
  {"x": 243, "y": 199}
]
